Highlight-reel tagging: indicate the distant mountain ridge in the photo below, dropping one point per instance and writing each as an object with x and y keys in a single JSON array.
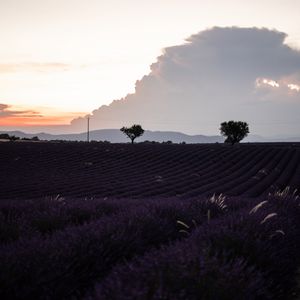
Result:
[{"x": 116, "y": 136}]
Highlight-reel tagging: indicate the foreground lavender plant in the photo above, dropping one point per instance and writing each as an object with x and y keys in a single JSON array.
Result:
[{"x": 235, "y": 257}]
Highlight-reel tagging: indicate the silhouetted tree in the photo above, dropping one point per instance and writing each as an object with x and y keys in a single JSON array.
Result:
[
  {"x": 6, "y": 136},
  {"x": 235, "y": 131},
  {"x": 13, "y": 138},
  {"x": 133, "y": 132}
]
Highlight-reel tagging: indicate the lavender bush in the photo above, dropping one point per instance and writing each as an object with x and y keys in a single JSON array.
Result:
[{"x": 250, "y": 254}]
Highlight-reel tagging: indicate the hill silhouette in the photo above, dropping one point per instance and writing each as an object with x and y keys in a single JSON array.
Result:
[{"x": 116, "y": 136}]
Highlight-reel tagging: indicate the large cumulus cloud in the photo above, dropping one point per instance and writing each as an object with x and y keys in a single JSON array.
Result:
[{"x": 218, "y": 74}]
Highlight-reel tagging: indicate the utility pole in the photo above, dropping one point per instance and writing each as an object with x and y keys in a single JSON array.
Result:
[{"x": 88, "y": 129}]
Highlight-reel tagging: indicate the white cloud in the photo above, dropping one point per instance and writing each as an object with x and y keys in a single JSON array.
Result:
[
  {"x": 261, "y": 82},
  {"x": 211, "y": 78},
  {"x": 294, "y": 87}
]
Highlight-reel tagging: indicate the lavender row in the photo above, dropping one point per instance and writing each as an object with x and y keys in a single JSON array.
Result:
[
  {"x": 27, "y": 218},
  {"x": 79, "y": 170},
  {"x": 69, "y": 261},
  {"x": 251, "y": 254}
]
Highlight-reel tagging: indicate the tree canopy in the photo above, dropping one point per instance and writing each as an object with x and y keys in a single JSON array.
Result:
[
  {"x": 133, "y": 132},
  {"x": 234, "y": 131},
  {"x": 6, "y": 136}
]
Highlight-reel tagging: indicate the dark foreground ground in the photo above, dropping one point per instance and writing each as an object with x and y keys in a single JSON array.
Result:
[{"x": 116, "y": 221}]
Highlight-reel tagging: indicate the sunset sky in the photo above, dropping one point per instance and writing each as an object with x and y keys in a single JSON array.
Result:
[{"x": 62, "y": 59}]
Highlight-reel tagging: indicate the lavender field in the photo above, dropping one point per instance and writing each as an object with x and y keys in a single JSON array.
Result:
[
  {"x": 118, "y": 221},
  {"x": 37, "y": 170}
]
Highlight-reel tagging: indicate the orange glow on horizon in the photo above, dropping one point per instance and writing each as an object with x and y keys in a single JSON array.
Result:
[
  {"x": 25, "y": 121},
  {"x": 31, "y": 116}
]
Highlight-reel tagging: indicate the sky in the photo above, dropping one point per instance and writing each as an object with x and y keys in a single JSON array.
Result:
[{"x": 62, "y": 60}]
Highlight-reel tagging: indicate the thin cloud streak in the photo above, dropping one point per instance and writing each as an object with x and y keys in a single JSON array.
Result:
[
  {"x": 6, "y": 112},
  {"x": 15, "y": 116},
  {"x": 34, "y": 67}
]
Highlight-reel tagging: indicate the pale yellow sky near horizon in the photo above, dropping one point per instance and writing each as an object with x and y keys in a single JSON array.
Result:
[{"x": 65, "y": 58}]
